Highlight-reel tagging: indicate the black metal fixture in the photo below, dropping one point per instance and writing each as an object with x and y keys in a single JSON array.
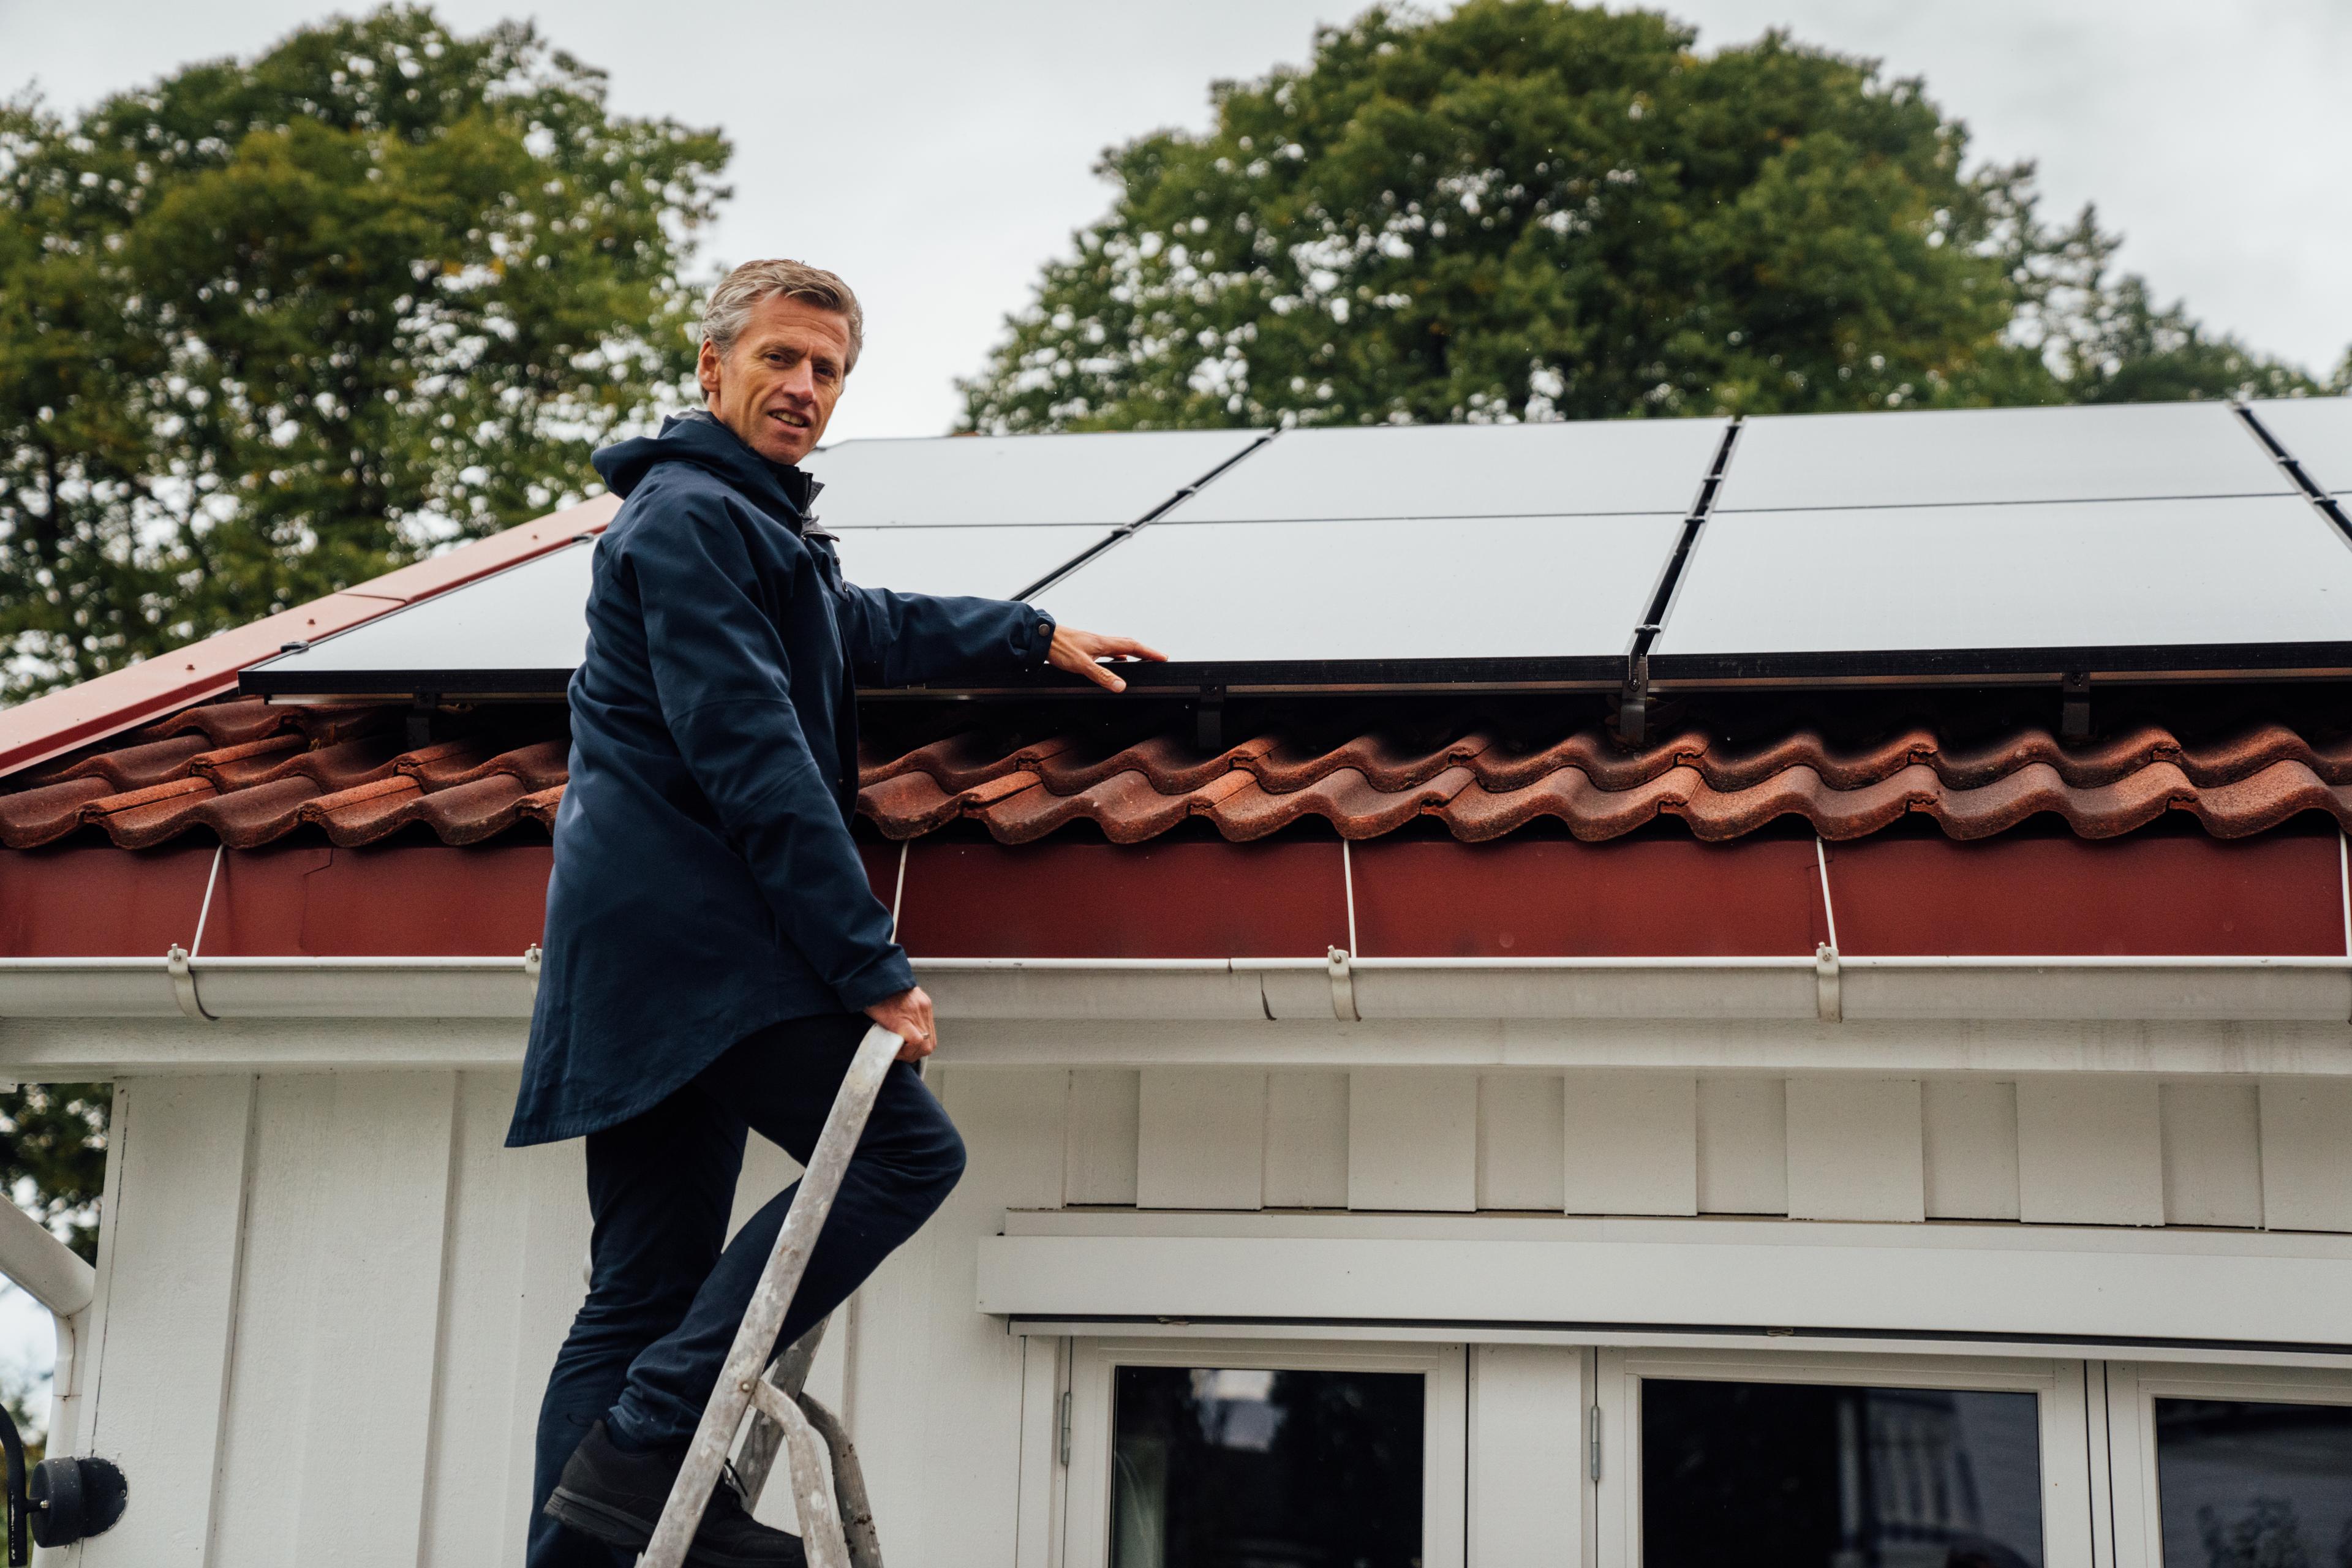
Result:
[{"x": 64, "y": 1499}]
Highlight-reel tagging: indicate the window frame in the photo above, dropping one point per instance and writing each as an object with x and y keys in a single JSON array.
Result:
[
  {"x": 2067, "y": 1478},
  {"x": 1444, "y": 1425},
  {"x": 2134, "y": 1387}
]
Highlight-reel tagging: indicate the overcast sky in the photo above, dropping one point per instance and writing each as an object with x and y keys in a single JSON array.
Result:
[{"x": 937, "y": 152}]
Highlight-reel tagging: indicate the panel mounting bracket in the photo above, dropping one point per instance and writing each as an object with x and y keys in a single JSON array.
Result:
[
  {"x": 2074, "y": 711},
  {"x": 420, "y": 719},
  {"x": 1633, "y": 697},
  {"x": 1208, "y": 720}
]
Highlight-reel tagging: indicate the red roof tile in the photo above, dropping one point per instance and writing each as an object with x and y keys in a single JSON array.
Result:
[{"x": 248, "y": 772}]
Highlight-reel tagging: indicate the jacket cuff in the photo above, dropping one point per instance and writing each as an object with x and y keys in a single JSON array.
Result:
[
  {"x": 1037, "y": 633},
  {"x": 879, "y": 981}
]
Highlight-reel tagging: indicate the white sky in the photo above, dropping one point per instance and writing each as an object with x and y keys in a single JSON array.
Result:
[{"x": 936, "y": 153}]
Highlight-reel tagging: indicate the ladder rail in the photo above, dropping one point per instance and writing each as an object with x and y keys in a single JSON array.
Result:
[{"x": 740, "y": 1378}]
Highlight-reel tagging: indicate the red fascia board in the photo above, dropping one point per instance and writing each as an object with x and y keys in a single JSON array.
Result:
[
  {"x": 387, "y": 900},
  {"x": 1562, "y": 897},
  {"x": 93, "y": 901},
  {"x": 2276, "y": 895},
  {"x": 33, "y": 733},
  {"x": 1193, "y": 898}
]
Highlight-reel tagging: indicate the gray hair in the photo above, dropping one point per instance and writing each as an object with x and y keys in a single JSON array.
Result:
[{"x": 740, "y": 291}]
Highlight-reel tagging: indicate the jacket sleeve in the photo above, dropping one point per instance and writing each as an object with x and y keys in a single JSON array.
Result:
[
  {"x": 720, "y": 676},
  {"x": 901, "y": 639}
]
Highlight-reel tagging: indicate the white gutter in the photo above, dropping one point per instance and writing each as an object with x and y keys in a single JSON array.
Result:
[{"x": 1824, "y": 987}]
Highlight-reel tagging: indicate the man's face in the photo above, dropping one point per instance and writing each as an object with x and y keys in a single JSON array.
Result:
[{"x": 776, "y": 387}]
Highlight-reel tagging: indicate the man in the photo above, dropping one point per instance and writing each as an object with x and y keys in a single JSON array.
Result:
[{"x": 713, "y": 952}]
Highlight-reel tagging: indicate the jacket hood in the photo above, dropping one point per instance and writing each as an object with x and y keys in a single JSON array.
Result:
[{"x": 785, "y": 493}]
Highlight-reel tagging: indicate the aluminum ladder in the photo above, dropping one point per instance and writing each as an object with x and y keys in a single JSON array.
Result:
[{"x": 836, "y": 1524}]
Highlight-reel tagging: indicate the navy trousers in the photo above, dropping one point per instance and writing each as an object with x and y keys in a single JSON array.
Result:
[{"x": 664, "y": 1298}]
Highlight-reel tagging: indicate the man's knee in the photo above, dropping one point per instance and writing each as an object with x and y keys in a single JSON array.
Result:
[{"x": 944, "y": 1164}]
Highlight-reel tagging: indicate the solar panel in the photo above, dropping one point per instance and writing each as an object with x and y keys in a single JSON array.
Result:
[
  {"x": 523, "y": 629},
  {"x": 1841, "y": 591},
  {"x": 1985, "y": 456},
  {"x": 1109, "y": 478},
  {"x": 1466, "y": 470},
  {"x": 1377, "y": 591},
  {"x": 994, "y": 562},
  {"x": 2315, "y": 431}
]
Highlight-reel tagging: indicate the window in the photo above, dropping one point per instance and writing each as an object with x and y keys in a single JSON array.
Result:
[
  {"x": 1805, "y": 1461},
  {"x": 1238, "y": 1453},
  {"x": 2232, "y": 1467},
  {"x": 1256, "y": 1467},
  {"x": 1807, "y": 1474},
  {"x": 2242, "y": 1483}
]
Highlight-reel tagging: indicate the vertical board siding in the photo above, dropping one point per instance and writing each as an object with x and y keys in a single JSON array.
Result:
[
  {"x": 1527, "y": 1456},
  {"x": 2090, "y": 1151},
  {"x": 2306, "y": 1154},
  {"x": 1200, "y": 1139},
  {"x": 1855, "y": 1150},
  {"x": 327, "y": 1435},
  {"x": 1743, "y": 1145},
  {"x": 938, "y": 1384},
  {"x": 2213, "y": 1155},
  {"x": 1632, "y": 1144},
  {"x": 554, "y": 1276},
  {"x": 1970, "y": 1138},
  {"x": 472, "y": 1477},
  {"x": 1100, "y": 1166},
  {"x": 1412, "y": 1140},
  {"x": 1522, "y": 1130},
  {"x": 166, "y": 1311},
  {"x": 1307, "y": 1140}
]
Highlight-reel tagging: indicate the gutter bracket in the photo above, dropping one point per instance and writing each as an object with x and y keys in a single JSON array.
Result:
[
  {"x": 184, "y": 983},
  {"x": 531, "y": 966},
  {"x": 1343, "y": 986},
  {"x": 1830, "y": 1001}
]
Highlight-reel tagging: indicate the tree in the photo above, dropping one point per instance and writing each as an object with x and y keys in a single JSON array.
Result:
[
  {"x": 268, "y": 328},
  {"x": 1529, "y": 209}
]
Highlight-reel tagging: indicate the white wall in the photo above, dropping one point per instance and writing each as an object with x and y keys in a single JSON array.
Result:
[{"x": 327, "y": 1301}]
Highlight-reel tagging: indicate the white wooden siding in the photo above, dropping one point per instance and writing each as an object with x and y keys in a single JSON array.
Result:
[
  {"x": 1412, "y": 1140},
  {"x": 1855, "y": 1149},
  {"x": 1306, "y": 1139},
  {"x": 327, "y": 1302}
]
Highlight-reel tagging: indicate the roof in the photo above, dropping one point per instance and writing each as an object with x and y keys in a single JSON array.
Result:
[
  {"x": 247, "y": 772},
  {"x": 138, "y": 694}
]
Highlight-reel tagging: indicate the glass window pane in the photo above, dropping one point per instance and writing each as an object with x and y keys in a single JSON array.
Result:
[
  {"x": 1236, "y": 1467},
  {"x": 2243, "y": 1485},
  {"x": 1803, "y": 1474}
]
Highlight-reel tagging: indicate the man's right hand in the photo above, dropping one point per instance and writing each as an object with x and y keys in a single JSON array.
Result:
[{"x": 908, "y": 1015}]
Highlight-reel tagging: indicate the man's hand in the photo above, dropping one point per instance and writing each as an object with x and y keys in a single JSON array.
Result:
[
  {"x": 1076, "y": 652},
  {"x": 908, "y": 1015}
]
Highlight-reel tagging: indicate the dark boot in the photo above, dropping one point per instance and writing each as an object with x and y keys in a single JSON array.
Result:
[{"x": 616, "y": 1497}]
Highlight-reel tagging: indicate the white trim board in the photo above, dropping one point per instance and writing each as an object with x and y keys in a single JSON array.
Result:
[{"x": 2064, "y": 1282}]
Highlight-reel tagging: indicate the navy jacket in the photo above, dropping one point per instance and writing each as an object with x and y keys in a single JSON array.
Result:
[{"x": 705, "y": 884}]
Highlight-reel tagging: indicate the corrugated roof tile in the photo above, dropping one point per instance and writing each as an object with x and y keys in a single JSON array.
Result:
[{"x": 250, "y": 773}]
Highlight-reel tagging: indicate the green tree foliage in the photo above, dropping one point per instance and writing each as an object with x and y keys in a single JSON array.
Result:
[
  {"x": 1529, "y": 209},
  {"x": 53, "y": 1156},
  {"x": 270, "y": 327}
]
